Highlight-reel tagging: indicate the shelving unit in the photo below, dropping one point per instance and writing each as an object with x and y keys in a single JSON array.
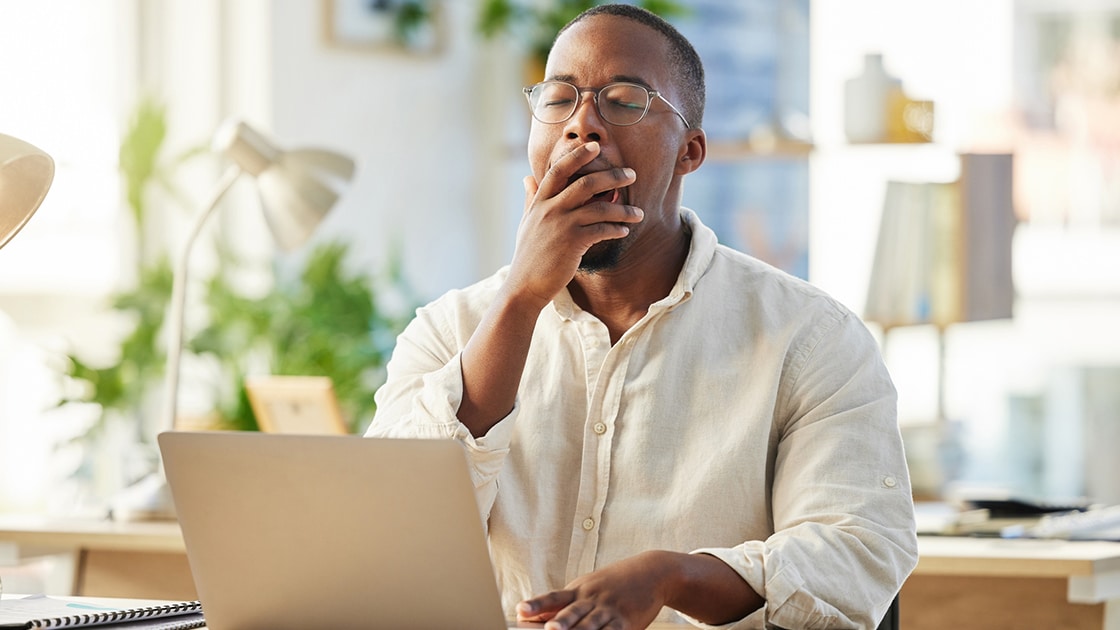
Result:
[{"x": 1010, "y": 385}]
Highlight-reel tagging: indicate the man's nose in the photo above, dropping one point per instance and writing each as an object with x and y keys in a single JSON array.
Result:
[{"x": 586, "y": 122}]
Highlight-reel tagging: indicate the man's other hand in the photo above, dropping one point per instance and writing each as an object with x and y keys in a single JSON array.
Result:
[
  {"x": 629, "y": 594},
  {"x": 625, "y": 595}
]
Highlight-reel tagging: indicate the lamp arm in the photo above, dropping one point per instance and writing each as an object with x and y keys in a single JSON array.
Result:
[{"x": 177, "y": 311}]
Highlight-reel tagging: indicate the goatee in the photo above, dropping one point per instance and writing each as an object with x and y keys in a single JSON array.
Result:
[{"x": 603, "y": 256}]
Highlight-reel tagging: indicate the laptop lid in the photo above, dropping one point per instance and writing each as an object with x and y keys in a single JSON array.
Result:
[{"x": 310, "y": 531}]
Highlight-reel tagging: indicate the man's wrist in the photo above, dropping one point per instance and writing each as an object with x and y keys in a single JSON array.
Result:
[
  {"x": 516, "y": 301},
  {"x": 671, "y": 570},
  {"x": 705, "y": 588}
]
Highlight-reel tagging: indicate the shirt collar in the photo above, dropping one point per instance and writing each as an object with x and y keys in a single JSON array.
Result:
[{"x": 702, "y": 248}]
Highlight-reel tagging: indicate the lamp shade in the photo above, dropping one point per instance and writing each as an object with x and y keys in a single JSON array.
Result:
[
  {"x": 297, "y": 188},
  {"x": 25, "y": 176},
  {"x": 944, "y": 249}
]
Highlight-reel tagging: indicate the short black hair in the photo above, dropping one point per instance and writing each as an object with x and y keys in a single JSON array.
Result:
[{"x": 685, "y": 64}]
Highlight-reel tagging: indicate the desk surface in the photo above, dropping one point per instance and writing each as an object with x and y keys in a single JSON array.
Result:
[
  {"x": 1023, "y": 558},
  {"x": 35, "y": 531},
  {"x": 1092, "y": 569},
  {"x": 938, "y": 555}
]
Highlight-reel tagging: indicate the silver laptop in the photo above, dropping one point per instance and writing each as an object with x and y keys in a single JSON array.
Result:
[{"x": 308, "y": 531}]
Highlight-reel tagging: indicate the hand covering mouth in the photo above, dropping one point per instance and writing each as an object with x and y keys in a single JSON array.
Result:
[{"x": 613, "y": 195}]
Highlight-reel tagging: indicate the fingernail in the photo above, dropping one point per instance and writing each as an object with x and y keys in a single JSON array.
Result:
[
  {"x": 593, "y": 146},
  {"x": 629, "y": 172}
]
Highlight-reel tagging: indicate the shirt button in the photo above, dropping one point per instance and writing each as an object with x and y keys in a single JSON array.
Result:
[
  {"x": 889, "y": 482},
  {"x": 600, "y": 428},
  {"x": 589, "y": 524}
]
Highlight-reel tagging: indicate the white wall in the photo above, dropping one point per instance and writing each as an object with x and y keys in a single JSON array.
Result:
[{"x": 426, "y": 132}]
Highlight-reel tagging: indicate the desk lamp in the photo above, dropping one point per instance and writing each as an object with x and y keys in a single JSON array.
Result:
[
  {"x": 297, "y": 188},
  {"x": 25, "y": 176}
]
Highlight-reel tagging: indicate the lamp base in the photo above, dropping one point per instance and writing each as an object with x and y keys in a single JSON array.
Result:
[{"x": 146, "y": 500}]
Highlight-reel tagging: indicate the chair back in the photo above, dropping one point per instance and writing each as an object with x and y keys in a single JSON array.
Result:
[{"x": 890, "y": 620}]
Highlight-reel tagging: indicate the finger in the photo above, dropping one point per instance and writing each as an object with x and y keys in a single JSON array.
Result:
[
  {"x": 590, "y": 186},
  {"x": 580, "y": 615},
  {"x": 530, "y": 190},
  {"x": 544, "y": 607},
  {"x": 602, "y": 231},
  {"x": 556, "y": 179},
  {"x": 600, "y": 214}
]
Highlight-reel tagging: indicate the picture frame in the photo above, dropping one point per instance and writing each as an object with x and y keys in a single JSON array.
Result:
[
  {"x": 402, "y": 26},
  {"x": 296, "y": 404},
  {"x": 1046, "y": 31}
]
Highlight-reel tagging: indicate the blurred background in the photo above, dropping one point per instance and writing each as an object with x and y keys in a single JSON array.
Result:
[{"x": 948, "y": 170}]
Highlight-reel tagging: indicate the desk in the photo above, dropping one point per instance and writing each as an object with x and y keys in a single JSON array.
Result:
[
  {"x": 122, "y": 603},
  {"x": 958, "y": 583},
  {"x": 112, "y": 559},
  {"x": 993, "y": 583}
]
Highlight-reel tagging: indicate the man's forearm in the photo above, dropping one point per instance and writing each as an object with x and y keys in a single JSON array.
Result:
[
  {"x": 706, "y": 589},
  {"x": 494, "y": 360}
]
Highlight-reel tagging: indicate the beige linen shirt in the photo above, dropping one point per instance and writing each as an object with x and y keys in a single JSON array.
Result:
[{"x": 747, "y": 415}]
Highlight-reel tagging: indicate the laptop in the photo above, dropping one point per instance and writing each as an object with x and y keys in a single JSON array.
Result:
[{"x": 287, "y": 532}]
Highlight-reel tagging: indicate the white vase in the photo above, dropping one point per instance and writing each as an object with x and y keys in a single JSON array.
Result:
[{"x": 865, "y": 101}]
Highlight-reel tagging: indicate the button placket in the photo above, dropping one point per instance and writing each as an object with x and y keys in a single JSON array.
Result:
[
  {"x": 597, "y": 462},
  {"x": 594, "y": 340}
]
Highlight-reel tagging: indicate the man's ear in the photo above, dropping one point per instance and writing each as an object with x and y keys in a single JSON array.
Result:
[{"x": 692, "y": 153}]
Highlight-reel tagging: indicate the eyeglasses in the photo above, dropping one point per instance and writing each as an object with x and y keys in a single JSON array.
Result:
[{"x": 620, "y": 104}]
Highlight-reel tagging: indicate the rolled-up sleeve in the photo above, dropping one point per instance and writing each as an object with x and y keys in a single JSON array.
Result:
[
  {"x": 844, "y": 536},
  {"x": 421, "y": 400}
]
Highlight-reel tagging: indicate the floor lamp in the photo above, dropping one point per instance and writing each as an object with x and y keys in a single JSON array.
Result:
[
  {"x": 26, "y": 174},
  {"x": 297, "y": 188}
]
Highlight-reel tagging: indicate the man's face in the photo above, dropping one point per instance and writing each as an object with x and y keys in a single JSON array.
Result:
[{"x": 590, "y": 54}]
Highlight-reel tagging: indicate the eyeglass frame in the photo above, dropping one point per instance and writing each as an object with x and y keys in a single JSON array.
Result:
[{"x": 650, "y": 95}]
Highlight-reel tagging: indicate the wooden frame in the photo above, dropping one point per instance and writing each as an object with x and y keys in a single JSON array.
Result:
[
  {"x": 365, "y": 26},
  {"x": 295, "y": 404}
]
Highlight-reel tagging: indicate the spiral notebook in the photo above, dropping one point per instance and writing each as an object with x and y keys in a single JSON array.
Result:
[{"x": 38, "y": 611}]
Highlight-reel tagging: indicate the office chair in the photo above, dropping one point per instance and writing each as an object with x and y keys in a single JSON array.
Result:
[{"x": 890, "y": 620}]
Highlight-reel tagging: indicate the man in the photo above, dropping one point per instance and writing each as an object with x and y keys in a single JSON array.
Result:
[{"x": 655, "y": 421}]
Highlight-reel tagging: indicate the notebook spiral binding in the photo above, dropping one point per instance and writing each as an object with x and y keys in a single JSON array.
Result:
[{"x": 168, "y": 611}]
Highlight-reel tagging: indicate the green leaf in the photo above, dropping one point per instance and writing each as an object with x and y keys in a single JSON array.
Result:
[
  {"x": 495, "y": 16},
  {"x": 139, "y": 152}
]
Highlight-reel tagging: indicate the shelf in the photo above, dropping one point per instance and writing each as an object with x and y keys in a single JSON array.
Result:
[{"x": 732, "y": 150}]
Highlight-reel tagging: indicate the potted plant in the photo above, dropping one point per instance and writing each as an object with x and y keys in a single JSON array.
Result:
[
  {"x": 323, "y": 320},
  {"x": 537, "y": 23}
]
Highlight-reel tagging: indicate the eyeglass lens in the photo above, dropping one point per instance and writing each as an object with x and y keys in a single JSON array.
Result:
[{"x": 618, "y": 103}]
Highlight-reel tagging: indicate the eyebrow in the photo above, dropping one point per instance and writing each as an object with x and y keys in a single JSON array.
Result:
[{"x": 618, "y": 78}]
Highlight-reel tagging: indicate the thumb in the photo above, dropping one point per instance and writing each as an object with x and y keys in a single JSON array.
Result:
[{"x": 530, "y": 190}]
